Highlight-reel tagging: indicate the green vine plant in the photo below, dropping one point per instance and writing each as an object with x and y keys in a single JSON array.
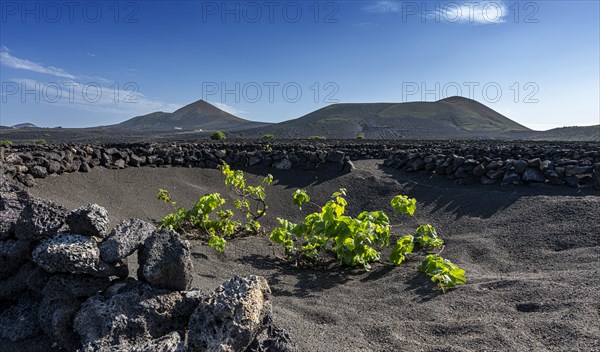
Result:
[
  {"x": 209, "y": 217},
  {"x": 357, "y": 241}
]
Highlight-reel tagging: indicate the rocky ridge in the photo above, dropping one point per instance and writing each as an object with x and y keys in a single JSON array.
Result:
[
  {"x": 486, "y": 162},
  {"x": 505, "y": 165}
]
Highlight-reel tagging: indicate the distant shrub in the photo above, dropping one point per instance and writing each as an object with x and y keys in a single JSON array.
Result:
[
  {"x": 40, "y": 141},
  {"x": 5, "y": 142},
  {"x": 218, "y": 136},
  {"x": 268, "y": 136},
  {"x": 316, "y": 137},
  {"x": 360, "y": 136}
]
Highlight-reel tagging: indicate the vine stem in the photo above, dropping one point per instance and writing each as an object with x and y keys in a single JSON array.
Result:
[
  {"x": 441, "y": 250},
  {"x": 314, "y": 204}
]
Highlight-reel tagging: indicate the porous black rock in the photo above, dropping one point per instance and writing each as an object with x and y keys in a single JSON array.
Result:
[
  {"x": 165, "y": 261},
  {"x": 54, "y": 167},
  {"x": 232, "y": 316},
  {"x": 124, "y": 239},
  {"x": 520, "y": 166},
  {"x": 39, "y": 171},
  {"x": 26, "y": 179},
  {"x": 131, "y": 313},
  {"x": 479, "y": 170},
  {"x": 11, "y": 205},
  {"x": 56, "y": 317},
  {"x": 272, "y": 339},
  {"x": 14, "y": 286},
  {"x": 84, "y": 167},
  {"x": 39, "y": 219},
  {"x": 69, "y": 286},
  {"x": 335, "y": 156},
  {"x": 511, "y": 178},
  {"x": 9, "y": 186},
  {"x": 20, "y": 322},
  {"x": 13, "y": 254},
  {"x": 89, "y": 220},
  {"x": 75, "y": 254},
  {"x": 533, "y": 175}
]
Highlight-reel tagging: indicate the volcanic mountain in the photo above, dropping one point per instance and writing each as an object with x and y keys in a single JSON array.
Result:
[
  {"x": 454, "y": 117},
  {"x": 199, "y": 115},
  {"x": 572, "y": 133}
]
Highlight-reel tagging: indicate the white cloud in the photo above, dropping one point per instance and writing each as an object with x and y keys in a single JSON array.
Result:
[
  {"x": 383, "y": 6},
  {"x": 230, "y": 109},
  {"x": 476, "y": 12},
  {"x": 7, "y": 59},
  {"x": 94, "y": 97},
  {"x": 86, "y": 93}
]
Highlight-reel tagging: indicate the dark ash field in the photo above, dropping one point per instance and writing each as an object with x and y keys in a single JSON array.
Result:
[{"x": 531, "y": 255}]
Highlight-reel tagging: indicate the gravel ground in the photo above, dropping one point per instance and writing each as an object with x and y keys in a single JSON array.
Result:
[{"x": 531, "y": 255}]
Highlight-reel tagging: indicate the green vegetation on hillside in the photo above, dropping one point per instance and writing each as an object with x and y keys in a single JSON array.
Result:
[{"x": 218, "y": 136}]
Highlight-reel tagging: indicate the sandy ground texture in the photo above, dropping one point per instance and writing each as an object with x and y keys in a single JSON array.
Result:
[{"x": 531, "y": 255}]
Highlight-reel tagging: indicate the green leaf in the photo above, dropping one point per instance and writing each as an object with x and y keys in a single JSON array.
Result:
[
  {"x": 340, "y": 193},
  {"x": 403, "y": 247},
  {"x": 427, "y": 238},
  {"x": 217, "y": 242},
  {"x": 171, "y": 221},
  {"x": 404, "y": 205},
  {"x": 443, "y": 272},
  {"x": 283, "y": 235},
  {"x": 268, "y": 179},
  {"x": 300, "y": 197},
  {"x": 163, "y": 195}
]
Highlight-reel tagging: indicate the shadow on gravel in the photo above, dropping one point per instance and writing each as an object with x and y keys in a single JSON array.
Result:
[
  {"x": 378, "y": 273},
  {"x": 470, "y": 200},
  {"x": 445, "y": 195},
  {"x": 310, "y": 281},
  {"x": 296, "y": 178},
  {"x": 422, "y": 287}
]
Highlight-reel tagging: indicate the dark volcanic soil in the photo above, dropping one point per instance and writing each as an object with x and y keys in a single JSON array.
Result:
[{"x": 531, "y": 255}]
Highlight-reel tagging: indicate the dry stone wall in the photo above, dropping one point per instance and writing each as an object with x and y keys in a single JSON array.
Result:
[
  {"x": 64, "y": 274},
  {"x": 573, "y": 165},
  {"x": 486, "y": 162}
]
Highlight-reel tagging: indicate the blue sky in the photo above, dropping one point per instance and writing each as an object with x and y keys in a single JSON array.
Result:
[{"x": 77, "y": 64}]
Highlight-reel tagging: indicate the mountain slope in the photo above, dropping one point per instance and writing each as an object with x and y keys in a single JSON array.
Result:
[
  {"x": 454, "y": 117},
  {"x": 575, "y": 133},
  {"x": 199, "y": 115}
]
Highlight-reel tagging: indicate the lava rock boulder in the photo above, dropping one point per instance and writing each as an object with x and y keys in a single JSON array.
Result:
[
  {"x": 165, "y": 261},
  {"x": 89, "y": 220},
  {"x": 124, "y": 239},
  {"x": 232, "y": 316}
]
